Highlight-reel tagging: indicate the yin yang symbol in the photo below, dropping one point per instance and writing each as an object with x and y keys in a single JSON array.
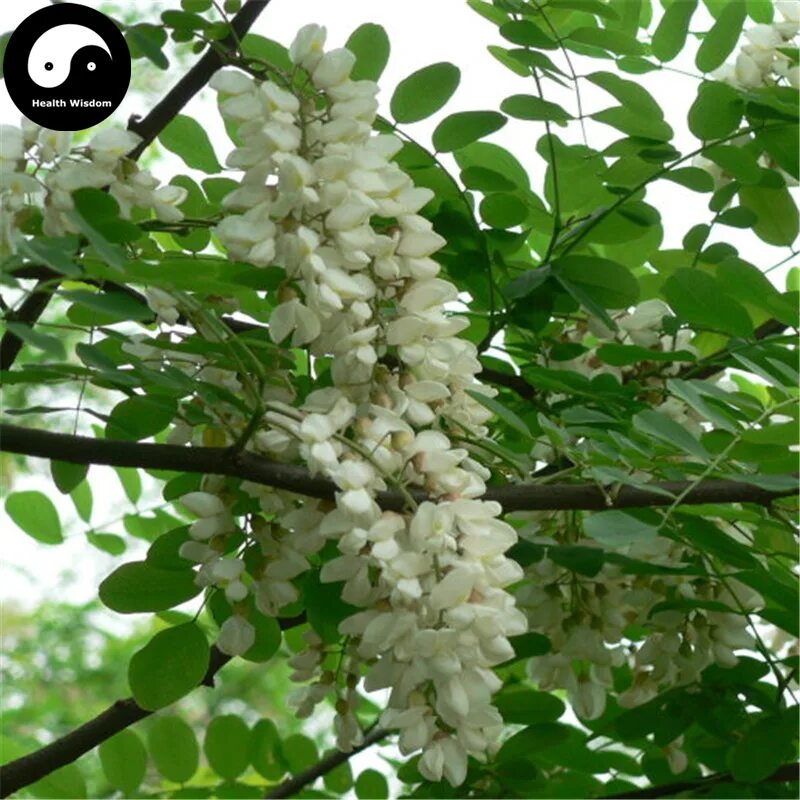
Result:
[
  {"x": 67, "y": 67},
  {"x": 50, "y": 59}
]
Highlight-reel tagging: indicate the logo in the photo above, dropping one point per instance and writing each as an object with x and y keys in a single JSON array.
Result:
[{"x": 67, "y": 67}]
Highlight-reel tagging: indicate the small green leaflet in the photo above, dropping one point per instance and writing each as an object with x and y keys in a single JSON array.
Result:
[
  {"x": 124, "y": 761},
  {"x": 139, "y": 586},
  {"x": 187, "y": 138},
  {"x": 172, "y": 664},
  {"x": 465, "y": 127},
  {"x": 424, "y": 92},
  {"x": 719, "y": 42},
  {"x": 35, "y": 513},
  {"x": 670, "y": 35},
  {"x": 370, "y": 45},
  {"x": 227, "y": 745},
  {"x": 618, "y": 529},
  {"x": 173, "y": 747}
]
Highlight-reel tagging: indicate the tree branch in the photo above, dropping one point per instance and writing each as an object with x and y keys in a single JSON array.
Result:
[
  {"x": 190, "y": 84},
  {"x": 227, "y": 461},
  {"x": 784, "y": 774},
  {"x": 27, "y": 314},
  {"x": 148, "y": 128},
  {"x": 293, "y": 785},
  {"x": 30, "y": 768}
]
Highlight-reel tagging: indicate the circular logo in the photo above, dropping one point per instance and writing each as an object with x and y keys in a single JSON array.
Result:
[{"x": 67, "y": 67}]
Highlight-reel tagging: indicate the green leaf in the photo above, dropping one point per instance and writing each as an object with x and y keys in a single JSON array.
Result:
[
  {"x": 54, "y": 252},
  {"x": 608, "y": 283},
  {"x": 528, "y": 34},
  {"x": 531, "y": 740},
  {"x": 41, "y": 341},
  {"x": 139, "y": 586},
  {"x": 371, "y": 785},
  {"x": 324, "y": 607},
  {"x": 124, "y": 761},
  {"x": 578, "y": 558},
  {"x": 256, "y": 46},
  {"x": 370, "y": 45},
  {"x": 618, "y": 528},
  {"x": 763, "y": 748},
  {"x": 339, "y": 780},
  {"x": 783, "y": 144},
  {"x": 3, "y": 44},
  {"x": 169, "y": 666},
  {"x": 424, "y": 92},
  {"x": 613, "y": 41},
  {"x": 628, "y": 93},
  {"x": 520, "y": 705},
  {"x": 300, "y": 753},
  {"x": 621, "y": 355},
  {"x": 694, "y": 178},
  {"x": 701, "y": 300},
  {"x": 110, "y": 306},
  {"x": 227, "y": 746},
  {"x": 140, "y": 416},
  {"x": 131, "y": 482},
  {"x": 107, "y": 542},
  {"x": 173, "y": 748},
  {"x": 706, "y": 537},
  {"x": 148, "y": 40},
  {"x": 530, "y": 107},
  {"x": 776, "y": 213},
  {"x": 506, "y": 414},
  {"x": 465, "y": 127},
  {"x": 634, "y": 123},
  {"x": 495, "y": 158},
  {"x": 670, "y": 35},
  {"x": 653, "y": 423},
  {"x": 187, "y": 138},
  {"x": 502, "y": 210},
  {"x": 67, "y": 476},
  {"x": 66, "y": 783},
  {"x": 35, "y": 513},
  {"x": 264, "y": 750},
  {"x": 719, "y": 42},
  {"x": 81, "y": 497},
  {"x": 529, "y": 281},
  {"x": 716, "y": 112},
  {"x": 528, "y": 645},
  {"x": 485, "y": 180}
]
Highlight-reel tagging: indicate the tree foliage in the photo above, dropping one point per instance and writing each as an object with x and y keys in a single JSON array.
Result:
[{"x": 418, "y": 417}]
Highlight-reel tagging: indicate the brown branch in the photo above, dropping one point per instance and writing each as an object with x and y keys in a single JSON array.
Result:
[
  {"x": 294, "y": 478},
  {"x": 30, "y": 768},
  {"x": 27, "y": 314},
  {"x": 190, "y": 84},
  {"x": 784, "y": 774},
  {"x": 148, "y": 128},
  {"x": 293, "y": 785}
]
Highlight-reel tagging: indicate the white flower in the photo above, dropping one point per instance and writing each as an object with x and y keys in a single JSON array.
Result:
[
  {"x": 110, "y": 145},
  {"x": 231, "y": 81},
  {"x": 333, "y": 68},
  {"x": 307, "y": 48},
  {"x": 294, "y": 317},
  {"x": 236, "y": 636},
  {"x": 163, "y": 305}
]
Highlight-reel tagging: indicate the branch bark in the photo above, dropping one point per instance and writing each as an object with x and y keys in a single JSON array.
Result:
[
  {"x": 226, "y": 461},
  {"x": 148, "y": 128},
  {"x": 30, "y": 768},
  {"x": 784, "y": 774},
  {"x": 293, "y": 785}
]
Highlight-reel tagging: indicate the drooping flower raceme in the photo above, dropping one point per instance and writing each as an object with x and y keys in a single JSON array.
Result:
[{"x": 321, "y": 197}]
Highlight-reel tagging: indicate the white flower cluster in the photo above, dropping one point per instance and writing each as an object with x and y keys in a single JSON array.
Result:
[
  {"x": 588, "y": 621},
  {"x": 760, "y": 62},
  {"x": 36, "y": 161},
  {"x": 322, "y": 198}
]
